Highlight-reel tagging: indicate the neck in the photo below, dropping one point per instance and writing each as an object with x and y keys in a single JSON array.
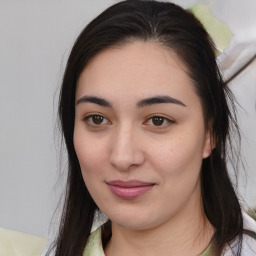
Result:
[{"x": 186, "y": 233}]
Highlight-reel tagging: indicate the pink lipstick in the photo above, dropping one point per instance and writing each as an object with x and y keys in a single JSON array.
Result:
[{"x": 129, "y": 189}]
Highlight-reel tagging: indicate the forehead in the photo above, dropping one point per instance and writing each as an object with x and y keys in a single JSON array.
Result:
[{"x": 138, "y": 68}]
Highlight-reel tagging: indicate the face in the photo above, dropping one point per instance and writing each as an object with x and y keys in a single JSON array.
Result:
[{"x": 139, "y": 135}]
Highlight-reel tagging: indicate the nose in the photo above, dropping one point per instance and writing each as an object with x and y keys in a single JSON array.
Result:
[{"x": 126, "y": 149}]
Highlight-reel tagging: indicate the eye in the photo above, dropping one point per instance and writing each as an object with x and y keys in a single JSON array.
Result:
[
  {"x": 159, "y": 121},
  {"x": 96, "y": 120}
]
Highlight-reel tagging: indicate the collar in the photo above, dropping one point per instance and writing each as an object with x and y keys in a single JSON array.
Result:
[{"x": 94, "y": 245}]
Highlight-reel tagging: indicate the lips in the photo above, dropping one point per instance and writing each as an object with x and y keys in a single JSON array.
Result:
[{"x": 130, "y": 189}]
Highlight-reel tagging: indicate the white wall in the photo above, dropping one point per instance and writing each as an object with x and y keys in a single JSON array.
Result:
[{"x": 35, "y": 39}]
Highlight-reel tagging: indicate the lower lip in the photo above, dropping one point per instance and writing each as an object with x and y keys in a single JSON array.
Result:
[{"x": 129, "y": 192}]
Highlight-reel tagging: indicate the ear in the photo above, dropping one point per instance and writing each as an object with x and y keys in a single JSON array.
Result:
[{"x": 209, "y": 143}]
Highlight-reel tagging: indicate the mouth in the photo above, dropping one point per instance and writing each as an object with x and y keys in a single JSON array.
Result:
[{"x": 130, "y": 189}]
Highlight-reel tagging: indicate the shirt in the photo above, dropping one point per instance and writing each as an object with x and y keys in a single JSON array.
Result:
[{"x": 94, "y": 245}]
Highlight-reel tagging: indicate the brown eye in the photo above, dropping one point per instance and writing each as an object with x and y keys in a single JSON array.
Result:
[
  {"x": 96, "y": 120},
  {"x": 158, "y": 120}
]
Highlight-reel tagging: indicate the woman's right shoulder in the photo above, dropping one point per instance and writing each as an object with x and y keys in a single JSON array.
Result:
[{"x": 48, "y": 250}]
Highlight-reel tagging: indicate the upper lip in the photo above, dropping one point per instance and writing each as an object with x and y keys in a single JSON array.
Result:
[{"x": 129, "y": 183}]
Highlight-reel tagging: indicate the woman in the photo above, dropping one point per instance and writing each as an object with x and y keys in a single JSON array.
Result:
[{"x": 146, "y": 124}]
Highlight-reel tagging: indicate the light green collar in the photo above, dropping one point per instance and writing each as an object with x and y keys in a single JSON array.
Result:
[
  {"x": 94, "y": 245},
  {"x": 207, "y": 252}
]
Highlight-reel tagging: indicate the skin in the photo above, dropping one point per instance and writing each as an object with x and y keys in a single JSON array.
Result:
[{"x": 124, "y": 142}]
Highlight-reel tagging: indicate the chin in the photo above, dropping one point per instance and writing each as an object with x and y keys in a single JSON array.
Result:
[{"x": 132, "y": 222}]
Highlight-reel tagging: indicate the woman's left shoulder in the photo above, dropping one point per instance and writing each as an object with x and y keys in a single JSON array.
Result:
[
  {"x": 248, "y": 242},
  {"x": 249, "y": 223}
]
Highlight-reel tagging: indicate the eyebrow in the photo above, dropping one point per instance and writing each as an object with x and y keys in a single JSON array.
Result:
[
  {"x": 142, "y": 103},
  {"x": 159, "y": 100},
  {"x": 95, "y": 100}
]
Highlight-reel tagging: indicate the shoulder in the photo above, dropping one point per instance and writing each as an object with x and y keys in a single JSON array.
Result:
[
  {"x": 92, "y": 248},
  {"x": 249, "y": 223},
  {"x": 248, "y": 243},
  {"x": 17, "y": 243},
  {"x": 48, "y": 250}
]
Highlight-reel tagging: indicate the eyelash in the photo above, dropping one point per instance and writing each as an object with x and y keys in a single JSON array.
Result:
[
  {"x": 166, "y": 121},
  {"x": 88, "y": 120}
]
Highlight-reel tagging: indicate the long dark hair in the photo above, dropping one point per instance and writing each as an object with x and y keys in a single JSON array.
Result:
[{"x": 171, "y": 26}]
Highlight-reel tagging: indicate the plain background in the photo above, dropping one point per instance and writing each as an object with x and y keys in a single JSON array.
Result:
[{"x": 35, "y": 39}]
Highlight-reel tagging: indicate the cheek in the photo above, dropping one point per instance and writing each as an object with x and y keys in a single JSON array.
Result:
[
  {"x": 91, "y": 157},
  {"x": 178, "y": 165},
  {"x": 179, "y": 155},
  {"x": 90, "y": 154}
]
